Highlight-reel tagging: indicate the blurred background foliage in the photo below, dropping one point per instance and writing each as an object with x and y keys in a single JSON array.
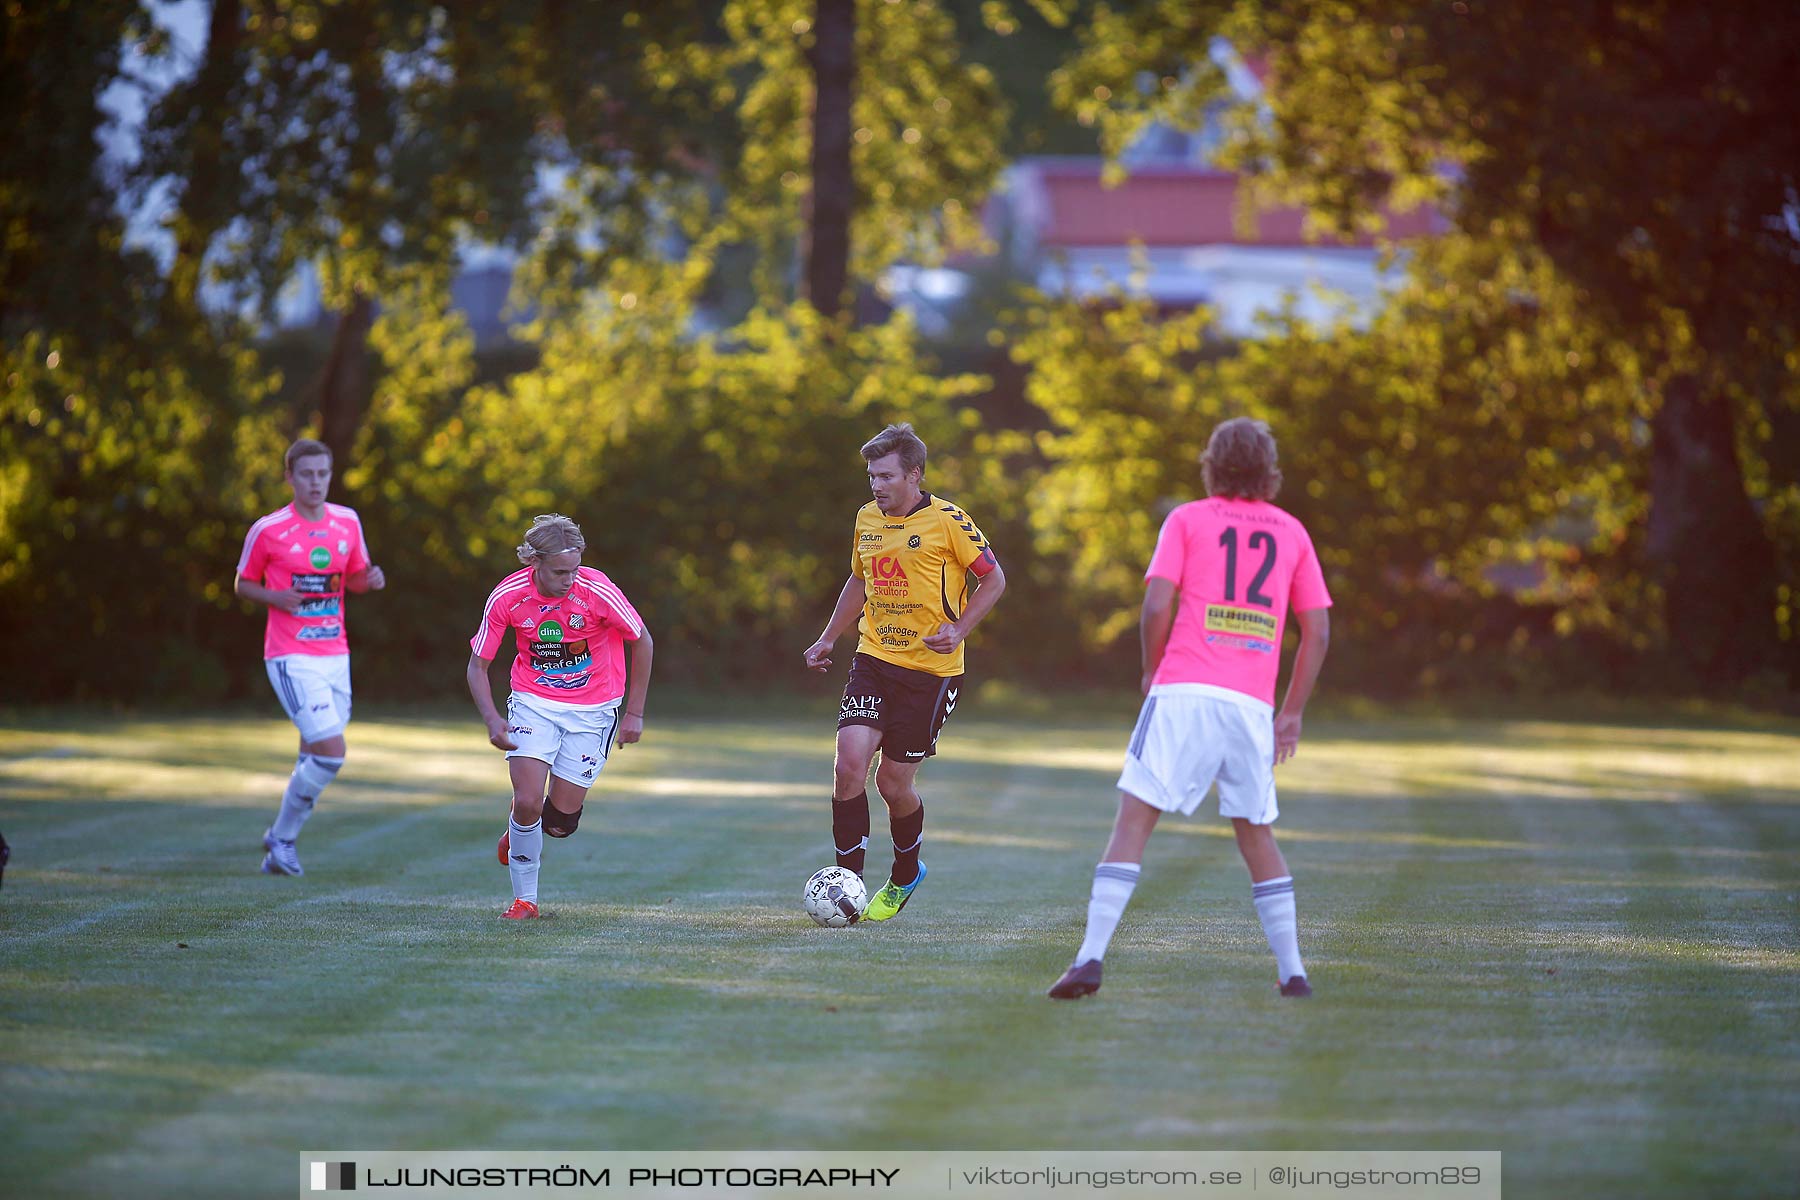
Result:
[{"x": 1564, "y": 455}]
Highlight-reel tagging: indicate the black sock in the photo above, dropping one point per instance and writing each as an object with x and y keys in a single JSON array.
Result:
[
  {"x": 850, "y": 831},
  {"x": 909, "y": 835}
]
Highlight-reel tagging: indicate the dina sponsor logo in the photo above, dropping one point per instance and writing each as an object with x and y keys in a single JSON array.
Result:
[
  {"x": 1240, "y": 643},
  {"x": 320, "y": 558},
  {"x": 550, "y": 631}
]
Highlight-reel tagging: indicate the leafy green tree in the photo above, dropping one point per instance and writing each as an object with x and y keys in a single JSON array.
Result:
[
  {"x": 1644, "y": 151},
  {"x": 124, "y": 422}
]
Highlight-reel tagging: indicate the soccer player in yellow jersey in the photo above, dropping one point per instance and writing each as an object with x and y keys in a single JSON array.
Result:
[{"x": 909, "y": 591}]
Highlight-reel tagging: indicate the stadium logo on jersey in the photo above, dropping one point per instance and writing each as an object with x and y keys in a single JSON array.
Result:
[
  {"x": 550, "y": 631},
  {"x": 913, "y": 541},
  {"x": 320, "y": 557}
]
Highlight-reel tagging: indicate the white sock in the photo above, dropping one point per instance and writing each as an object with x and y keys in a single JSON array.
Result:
[
  {"x": 525, "y": 852},
  {"x": 310, "y": 777},
  {"x": 1113, "y": 885},
  {"x": 1274, "y": 899}
]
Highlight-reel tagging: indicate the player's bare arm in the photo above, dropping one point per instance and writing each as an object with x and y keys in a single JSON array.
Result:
[
  {"x": 287, "y": 599},
  {"x": 482, "y": 692},
  {"x": 987, "y": 593},
  {"x": 631, "y": 720},
  {"x": 1161, "y": 597},
  {"x": 369, "y": 579},
  {"x": 1315, "y": 640},
  {"x": 843, "y": 618}
]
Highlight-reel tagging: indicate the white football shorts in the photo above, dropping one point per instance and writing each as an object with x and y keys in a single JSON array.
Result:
[
  {"x": 314, "y": 690},
  {"x": 1189, "y": 735},
  {"x": 572, "y": 738}
]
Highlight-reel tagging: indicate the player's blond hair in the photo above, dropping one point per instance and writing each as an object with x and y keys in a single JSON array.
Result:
[
  {"x": 897, "y": 439},
  {"x": 550, "y": 533},
  {"x": 1240, "y": 461}
]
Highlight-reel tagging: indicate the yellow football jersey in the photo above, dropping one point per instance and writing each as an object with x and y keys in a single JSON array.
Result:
[{"x": 915, "y": 577}]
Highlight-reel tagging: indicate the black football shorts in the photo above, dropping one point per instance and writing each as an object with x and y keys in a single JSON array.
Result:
[{"x": 909, "y": 707}]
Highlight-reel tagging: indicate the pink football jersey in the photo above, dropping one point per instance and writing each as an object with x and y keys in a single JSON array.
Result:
[
  {"x": 1239, "y": 564},
  {"x": 285, "y": 550},
  {"x": 570, "y": 648}
]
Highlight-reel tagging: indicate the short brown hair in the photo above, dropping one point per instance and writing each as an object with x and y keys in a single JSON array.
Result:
[
  {"x": 550, "y": 533},
  {"x": 304, "y": 448},
  {"x": 897, "y": 439},
  {"x": 1240, "y": 461}
]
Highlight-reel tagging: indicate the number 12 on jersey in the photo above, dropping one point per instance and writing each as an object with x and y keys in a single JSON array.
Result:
[{"x": 1261, "y": 540}]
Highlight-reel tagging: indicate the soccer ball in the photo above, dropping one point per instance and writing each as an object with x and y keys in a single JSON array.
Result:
[{"x": 835, "y": 897}]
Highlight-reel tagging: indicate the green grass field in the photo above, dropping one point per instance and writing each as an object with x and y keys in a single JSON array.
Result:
[{"x": 1576, "y": 943}]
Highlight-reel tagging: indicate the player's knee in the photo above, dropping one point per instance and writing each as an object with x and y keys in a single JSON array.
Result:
[
  {"x": 851, "y": 781},
  {"x": 559, "y": 824},
  {"x": 313, "y": 773},
  {"x": 894, "y": 785},
  {"x": 527, "y": 808}
]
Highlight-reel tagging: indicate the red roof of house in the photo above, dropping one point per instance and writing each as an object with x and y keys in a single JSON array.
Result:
[{"x": 1174, "y": 206}]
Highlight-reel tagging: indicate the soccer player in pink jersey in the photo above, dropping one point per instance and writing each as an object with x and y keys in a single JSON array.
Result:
[
  {"x": 570, "y": 624},
  {"x": 299, "y": 561},
  {"x": 1225, "y": 571}
]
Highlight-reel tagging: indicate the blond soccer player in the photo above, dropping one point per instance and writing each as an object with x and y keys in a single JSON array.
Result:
[
  {"x": 570, "y": 699},
  {"x": 909, "y": 591}
]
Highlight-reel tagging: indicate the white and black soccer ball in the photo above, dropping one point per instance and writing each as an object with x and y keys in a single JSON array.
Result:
[{"x": 835, "y": 897}]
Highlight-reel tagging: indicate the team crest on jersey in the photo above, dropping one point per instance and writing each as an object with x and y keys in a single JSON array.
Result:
[
  {"x": 343, "y": 546},
  {"x": 576, "y": 621},
  {"x": 913, "y": 541}
]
